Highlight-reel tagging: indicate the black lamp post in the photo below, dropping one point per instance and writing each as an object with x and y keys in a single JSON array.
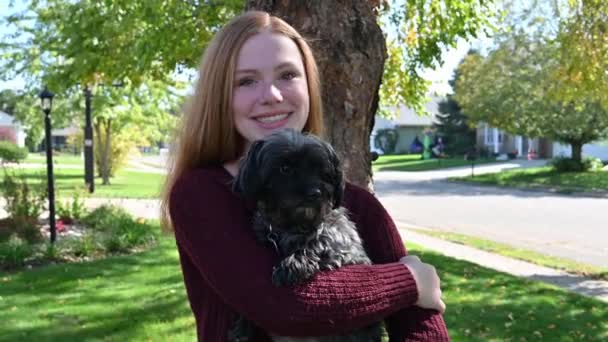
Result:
[
  {"x": 46, "y": 98},
  {"x": 89, "y": 155}
]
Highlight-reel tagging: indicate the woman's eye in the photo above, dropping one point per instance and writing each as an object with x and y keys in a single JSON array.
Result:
[
  {"x": 285, "y": 169},
  {"x": 245, "y": 82},
  {"x": 288, "y": 75}
]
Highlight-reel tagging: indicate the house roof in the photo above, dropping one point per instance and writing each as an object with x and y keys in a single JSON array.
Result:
[
  {"x": 407, "y": 117},
  {"x": 67, "y": 131}
]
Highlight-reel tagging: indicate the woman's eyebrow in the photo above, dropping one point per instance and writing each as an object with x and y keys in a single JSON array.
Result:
[
  {"x": 285, "y": 65},
  {"x": 278, "y": 67},
  {"x": 246, "y": 71}
]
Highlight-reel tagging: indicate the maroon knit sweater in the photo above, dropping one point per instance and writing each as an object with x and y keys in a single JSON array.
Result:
[{"x": 226, "y": 271}]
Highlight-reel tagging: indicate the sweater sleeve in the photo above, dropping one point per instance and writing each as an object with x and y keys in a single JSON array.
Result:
[
  {"x": 384, "y": 245},
  {"x": 213, "y": 229}
]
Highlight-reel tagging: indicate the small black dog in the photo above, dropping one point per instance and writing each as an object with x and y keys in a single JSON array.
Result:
[{"x": 297, "y": 182}]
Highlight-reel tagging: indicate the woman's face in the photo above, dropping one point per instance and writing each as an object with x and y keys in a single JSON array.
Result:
[{"x": 270, "y": 87}]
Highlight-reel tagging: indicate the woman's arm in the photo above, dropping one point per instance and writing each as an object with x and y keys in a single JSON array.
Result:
[
  {"x": 212, "y": 226},
  {"x": 384, "y": 245}
]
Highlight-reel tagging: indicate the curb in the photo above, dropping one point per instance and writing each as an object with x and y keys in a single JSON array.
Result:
[
  {"x": 597, "y": 289},
  {"x": 549, "y": 190}
]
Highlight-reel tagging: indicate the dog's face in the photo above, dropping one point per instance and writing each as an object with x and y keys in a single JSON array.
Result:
[{"x": 295, "y": 178}]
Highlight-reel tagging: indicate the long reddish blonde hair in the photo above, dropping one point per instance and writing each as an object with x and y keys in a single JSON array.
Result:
[{"x": 207, "y": 135}]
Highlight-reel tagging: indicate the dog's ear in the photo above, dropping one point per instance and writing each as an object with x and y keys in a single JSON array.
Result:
[
  {"x": 248, "y": 182},
  {"x": 337, "y": 174}
]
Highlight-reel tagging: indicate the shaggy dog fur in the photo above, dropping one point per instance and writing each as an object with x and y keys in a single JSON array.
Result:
[{"x": 297, "y": 182}]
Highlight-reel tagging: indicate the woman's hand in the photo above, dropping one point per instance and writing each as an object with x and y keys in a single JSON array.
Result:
[{"x": 427, "y": 283}]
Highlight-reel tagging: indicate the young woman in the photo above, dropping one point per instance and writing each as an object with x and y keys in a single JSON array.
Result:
[{"x": 258, "y": 75}]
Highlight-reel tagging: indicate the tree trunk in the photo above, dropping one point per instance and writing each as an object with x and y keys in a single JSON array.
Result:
[
  {"x": 350, "y": 50},
  {"x": 103, "y": 144},
  {"x": 577, "y": 151},
  {"x": 107, "y": 168},
  {"x": 99, "y": 149}
]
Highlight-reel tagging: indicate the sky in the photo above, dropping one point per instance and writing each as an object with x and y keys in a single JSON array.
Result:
[
  {"x": 439, "y": 76},
  {"x": 4, "y": 30}
]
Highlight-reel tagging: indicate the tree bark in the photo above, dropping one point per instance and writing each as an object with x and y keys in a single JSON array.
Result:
[
  {"x": 350, "y": 50},
  {"x": 577, "y": 151},
  {"x": 103, "y": 144},
  {"x": 106, "y": 156}
]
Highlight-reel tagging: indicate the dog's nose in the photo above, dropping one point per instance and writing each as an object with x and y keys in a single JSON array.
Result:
[{"x": 313, "y": 193}]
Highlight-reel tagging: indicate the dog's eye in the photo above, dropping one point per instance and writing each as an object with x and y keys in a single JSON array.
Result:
[{"x": 285, "y": 169}]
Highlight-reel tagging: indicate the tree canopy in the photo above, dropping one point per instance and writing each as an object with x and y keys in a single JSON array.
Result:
[
  {"x": 541, "y": 84},
  {"x": 66, "y": 43}
]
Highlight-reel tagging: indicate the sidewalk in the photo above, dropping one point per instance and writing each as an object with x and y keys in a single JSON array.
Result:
[{"x": 585, "y": 286}]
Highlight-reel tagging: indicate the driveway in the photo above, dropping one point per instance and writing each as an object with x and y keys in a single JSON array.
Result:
[{"x": 559, "y": 225}]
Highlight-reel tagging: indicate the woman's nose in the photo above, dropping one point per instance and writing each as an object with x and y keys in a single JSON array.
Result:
[{"x": 271, "y": 94}]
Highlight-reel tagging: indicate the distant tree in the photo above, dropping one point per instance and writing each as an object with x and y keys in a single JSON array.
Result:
[
  {"x": 457, "y": 132},
  {"x": 8, "y": 101},
  {"x": 453, "y": 127},
  {"x": 66, "y": 43}
]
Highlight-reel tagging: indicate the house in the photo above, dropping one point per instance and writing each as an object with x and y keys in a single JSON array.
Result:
[
  {"x": 60, "y": 136},
  {"x": 11, "y": 130},
  {"x": 497, "y": 141},
  {"x": 408, "y": 124}
]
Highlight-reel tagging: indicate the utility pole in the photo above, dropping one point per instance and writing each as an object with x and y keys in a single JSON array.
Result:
[{"x": 89, "y": 175}]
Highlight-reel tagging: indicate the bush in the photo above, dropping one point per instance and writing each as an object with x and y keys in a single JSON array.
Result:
[
  {"x": 14, "y": 252},
  {"x": 106, "y": 230},
  {"x": 25, "y": 230},
  {"x": 84, "y": 246},
  {"x": 564, "y": 164},
  {"x": 51, "y": 252},
  {"x": 24, "y": 202},
  {"x": 119, "y": 228},
  {"x": 595, "y": 164},
  {"x": 72, "y": 209},
  {"x": 386, "y": 140},
  {"x": 11, "y": 153},
  {"x": 106, "y": 218}
]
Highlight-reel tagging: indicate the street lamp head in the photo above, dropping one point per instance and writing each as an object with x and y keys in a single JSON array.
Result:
[{"x": 46, "y": 98}]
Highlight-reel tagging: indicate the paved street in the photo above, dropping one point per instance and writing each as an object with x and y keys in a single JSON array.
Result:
[{"x": 559, "y": 225}]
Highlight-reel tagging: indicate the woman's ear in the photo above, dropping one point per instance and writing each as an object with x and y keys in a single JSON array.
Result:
[{"x": 248, "y": 181}]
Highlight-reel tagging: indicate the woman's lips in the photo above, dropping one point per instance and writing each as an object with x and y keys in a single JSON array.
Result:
[{"x": 272, "y": 121}]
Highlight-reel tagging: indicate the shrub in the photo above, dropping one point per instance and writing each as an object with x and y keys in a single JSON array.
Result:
[
  {"x": 14, "y": 252},
  {"x": 26, "y": 230},
  {"x": 72, "y": 209},
  {"x": 595, "y": 164},
  {"x": 51, "y": 252},
  {"x": 119, "y": 228},
  {"x": 84, "y": 246},
  {"x": 11, "y": 153},
  {"x": 386, "y": 140},
  {"x": 106, "y": 218},
  {"x": 23, "y": 201},
  {"x": 564, "y": 164}
]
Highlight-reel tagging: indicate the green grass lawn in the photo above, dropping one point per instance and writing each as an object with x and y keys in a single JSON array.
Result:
[
  {"x": 545, "y": 177},
  {"x": 61, "y": 159},
  {"x": 520, "y": 253},
  {"x": 142, "y": 298},
  {"x": 126, "y": 184},
  {"x": 412, "y": 162}
]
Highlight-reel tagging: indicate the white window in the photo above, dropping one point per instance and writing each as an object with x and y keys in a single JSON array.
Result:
[{"x": 489, "y": 133}]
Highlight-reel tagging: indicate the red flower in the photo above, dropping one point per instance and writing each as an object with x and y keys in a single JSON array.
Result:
[{"x": 60, "y": 226}]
